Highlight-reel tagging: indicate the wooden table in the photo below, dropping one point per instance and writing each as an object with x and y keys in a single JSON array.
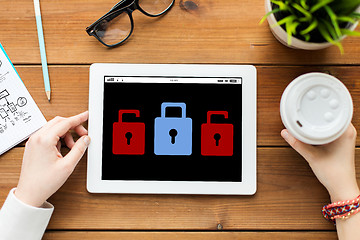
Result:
[{"x": 289, "y": 198}]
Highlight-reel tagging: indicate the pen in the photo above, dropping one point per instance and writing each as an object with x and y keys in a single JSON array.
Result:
[{"x": 42, "y": 48}]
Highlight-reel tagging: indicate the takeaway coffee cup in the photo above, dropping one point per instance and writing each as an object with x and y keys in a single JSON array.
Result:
[{"x": 316, "y": 108}]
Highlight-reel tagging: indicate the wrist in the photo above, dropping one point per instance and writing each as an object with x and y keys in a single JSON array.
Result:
[
  {"x": 28, "y": 199},
  {"x": 344, "y": 194}
]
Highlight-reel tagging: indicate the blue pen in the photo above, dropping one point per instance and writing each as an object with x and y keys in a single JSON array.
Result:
[{"x": 42, "y": 48}]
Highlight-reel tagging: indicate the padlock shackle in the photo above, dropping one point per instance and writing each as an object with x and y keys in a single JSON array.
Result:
[
  {"x": 122, "y": 111},
  {"x": 181, "y": 105},
  {"x": 210, "y": 113}
]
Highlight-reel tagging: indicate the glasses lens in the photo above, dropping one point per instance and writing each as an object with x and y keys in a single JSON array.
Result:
[
  {"x": 155, "y": 7},
  {"x": 114, "y": 28}
]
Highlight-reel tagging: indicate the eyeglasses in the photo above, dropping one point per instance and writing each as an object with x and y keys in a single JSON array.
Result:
[{"x": 116, "y": 26}]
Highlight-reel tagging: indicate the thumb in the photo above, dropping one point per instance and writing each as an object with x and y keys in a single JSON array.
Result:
[
  {"x": 303, "y": 149},
  {"x": 78, "y": 150}
]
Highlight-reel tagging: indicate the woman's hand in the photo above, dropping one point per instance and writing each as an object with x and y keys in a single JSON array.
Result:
[
  {"x": 333, "y": 163},
  {"x": 44, "y": 170}
]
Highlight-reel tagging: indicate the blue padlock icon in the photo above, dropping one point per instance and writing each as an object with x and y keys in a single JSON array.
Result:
[{"x": 173, "y": 135}]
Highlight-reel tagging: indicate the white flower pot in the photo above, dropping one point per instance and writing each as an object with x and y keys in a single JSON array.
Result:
[{"x": 281, "y": 35}]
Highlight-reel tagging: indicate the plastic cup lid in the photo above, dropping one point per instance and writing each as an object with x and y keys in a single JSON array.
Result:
[{"x": 316, "y": 108}]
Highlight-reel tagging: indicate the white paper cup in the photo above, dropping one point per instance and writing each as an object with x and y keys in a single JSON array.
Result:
[{"x": 316, "y": 108}]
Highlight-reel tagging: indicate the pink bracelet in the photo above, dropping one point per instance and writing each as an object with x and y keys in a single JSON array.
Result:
[{"x": 341, "y": 209}]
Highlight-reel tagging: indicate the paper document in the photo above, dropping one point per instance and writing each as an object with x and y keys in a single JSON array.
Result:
[{"x": 19, "y": 114}]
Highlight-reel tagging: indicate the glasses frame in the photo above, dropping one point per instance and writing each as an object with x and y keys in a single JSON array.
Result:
[{"x": 127, "y": 6}]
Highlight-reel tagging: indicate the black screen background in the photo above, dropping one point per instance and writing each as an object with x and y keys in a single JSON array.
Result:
[{"x": 147, "y": 97}]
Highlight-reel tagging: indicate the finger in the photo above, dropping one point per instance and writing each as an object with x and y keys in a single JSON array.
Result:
[
  {"x": 304, "y": 149},
  {"x": 350, "y": 133},
  {"x": 66, "y": 124},
  {"x": 77, "y": 151},
  {"x": 69, "y": 141},
  {"x": 347, "y": 139},
  {"x": 51, "y": 123},
  {"x": 353, "y": 132},
  {"x": 81, "y": 130}
]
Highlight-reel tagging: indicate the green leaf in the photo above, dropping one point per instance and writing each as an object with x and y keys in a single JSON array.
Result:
[
  {"x": 319, "y": 5},
  {"x": 303, "y": 19},
  {"x": 348, "y": 32},
  {"x": 355, "y": 15},
  {"x": 281, "y": 4},
  {"x": 323, "y": 31},
  {"x": 345, "y": 19},
  {"x": 327, "y": 37},
  {"x": 333, "y": 20},
  {"x": 302, "y": 10},
  {"x": 293, "y": 27},
  {"x": 284, "y": 20},
  {"x": 304, "y": 5},
  {"x": 291, "y": 30},
  {"x": 331, "y": 30},
  {"x": 311, "y": 27},
  {"x": 307, "y": 37},
  {"x": 289, "y": 33},
  {"x": 268, "y": 14}
]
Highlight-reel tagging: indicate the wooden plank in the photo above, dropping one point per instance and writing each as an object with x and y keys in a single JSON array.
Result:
[
  {"x": 70, "y": 87},
  {"x": 289, "y": 197},
  {"x": 211, "y": 32},
  {"x": 191, "y": 235}
]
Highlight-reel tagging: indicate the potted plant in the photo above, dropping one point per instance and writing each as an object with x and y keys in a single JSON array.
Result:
[{"x": 312, "y": 24}]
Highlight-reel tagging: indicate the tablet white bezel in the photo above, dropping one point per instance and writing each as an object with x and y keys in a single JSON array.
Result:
[{"x": 96, "y": 90}]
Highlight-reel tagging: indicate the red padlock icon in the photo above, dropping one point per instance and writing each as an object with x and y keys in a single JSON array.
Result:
[
  {"x": 217, "y": 139},
  {"x": 128, "y": 137}
]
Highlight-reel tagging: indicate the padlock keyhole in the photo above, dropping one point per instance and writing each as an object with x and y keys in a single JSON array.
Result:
[
  {"x": 128, "y": 136},
  {"x": 173, "y": 134},
  {"x": 217, "y": 137}
]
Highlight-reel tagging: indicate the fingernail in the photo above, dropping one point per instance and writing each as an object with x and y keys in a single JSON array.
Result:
[
  {"x": 285, "y": 134},
  {"x": 87, "y": 140}
]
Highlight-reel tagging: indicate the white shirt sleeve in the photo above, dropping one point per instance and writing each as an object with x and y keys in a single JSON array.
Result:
[{"x": 21, "y": 221}]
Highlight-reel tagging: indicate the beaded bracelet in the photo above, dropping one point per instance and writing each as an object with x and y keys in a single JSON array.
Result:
[{"x": 341, "y": 209}]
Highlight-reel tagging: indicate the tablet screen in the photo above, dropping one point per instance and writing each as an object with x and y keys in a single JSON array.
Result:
[{"x": 172, "y": 129}]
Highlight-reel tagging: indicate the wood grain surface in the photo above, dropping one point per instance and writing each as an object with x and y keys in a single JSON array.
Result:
[
  {"x": 190, "y": 235},
  {"x": 289, "y": 197},
  {"x": 212, "y": 31}
]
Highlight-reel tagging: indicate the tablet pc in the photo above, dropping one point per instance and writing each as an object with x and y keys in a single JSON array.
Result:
[{"x": 172, "y": 129}]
